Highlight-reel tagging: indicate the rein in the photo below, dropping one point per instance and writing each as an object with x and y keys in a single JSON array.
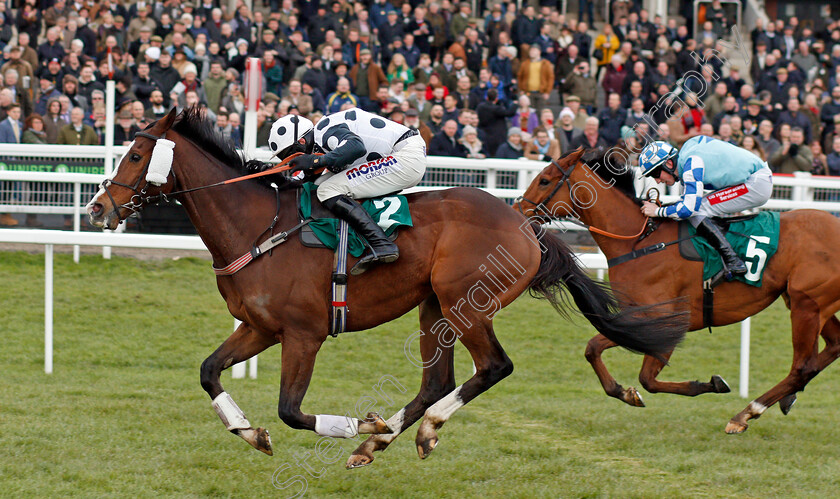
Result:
[{"x": 565, "y": 175}]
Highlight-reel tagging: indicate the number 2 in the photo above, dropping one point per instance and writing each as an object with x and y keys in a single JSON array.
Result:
[
  {"x": 393, "y": 204},
  {"x": 756, "y": 267}
]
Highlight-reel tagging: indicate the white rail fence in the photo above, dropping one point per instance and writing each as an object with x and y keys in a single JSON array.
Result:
[{"x": 60, "y": 192}]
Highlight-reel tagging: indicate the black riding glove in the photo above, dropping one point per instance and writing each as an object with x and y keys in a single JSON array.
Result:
[{"x": 305, "y": 162}]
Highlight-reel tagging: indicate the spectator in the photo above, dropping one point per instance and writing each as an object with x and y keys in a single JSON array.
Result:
[
  {"x": 474, "y": 146},
  {"x": 541, "y": 147},
  {"x": 412, "y": 121},
  {"x": 138, "y": 114},
  {"x": 156, "y": 109},
  {"x": 492, "y": 119},
  {"x": 445, "y": 142},
  {"x": 77, "y": 132},
  {"x": 794, "y": 155},
  {"x": 52, "y": 120},
  {"x": 512, "y": 148},
  {"x": 567, "y": 133},
  {"x": 366, "y": 77},
  {"x": 547, "y": 122},
  {"x": 526, "y": 116},
  {"x": 607, "y": 43},
  {"x": 591, "y": 137},
  {"x": 435, "y": 122},
  {"x": 536, "y": 77},
  {"x": 399, "y": 69},
  {"x": 341, "y": 97},
  {"x": 11, "y": 128},
  {"x": 612, "y": 118},
  {"x": 795, "y": 118},
  {"x": 17, "y": 63},
  {"x": 833, "y": 158},
  {"x": 581, "y": 84},
  {"x": 752, "y": 145},
  {"x": 124, "y": 128},
  {"x": 819, "y": 163}
]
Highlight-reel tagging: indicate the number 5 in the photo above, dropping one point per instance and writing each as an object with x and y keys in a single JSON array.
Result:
[{"x": 756, "y": 267}]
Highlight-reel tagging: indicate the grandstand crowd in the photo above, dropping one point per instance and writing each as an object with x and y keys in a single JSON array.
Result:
[{"x": 502, "y": 82}]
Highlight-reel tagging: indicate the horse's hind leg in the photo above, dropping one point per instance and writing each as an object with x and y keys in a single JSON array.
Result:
[
  {"x": 651, "y": 367},
  {"x": 491, "y": 363},
  {"x": 805, "y": 316},
  {"x": 594, "y": 349},
  {"x": 243, "y": 344},
  {"x": 438, "y": 380},
  {"x": 831, "y": 334}
]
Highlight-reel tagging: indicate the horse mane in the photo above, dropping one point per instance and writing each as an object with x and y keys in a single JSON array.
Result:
[
  {"x": 609, "y": 165},
  {"x": 193, "y": 125}
]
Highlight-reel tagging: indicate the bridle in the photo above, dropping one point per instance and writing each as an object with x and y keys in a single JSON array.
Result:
[
  {"x": 542, "y": 211},
  {"x": 539, "y": 207},
  {"x": 140, "y": 197}
]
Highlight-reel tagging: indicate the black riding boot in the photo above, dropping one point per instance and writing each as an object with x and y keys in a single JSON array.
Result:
[
  {"x": 732, "y": 264},
  {"x": 382, "y": 250}
]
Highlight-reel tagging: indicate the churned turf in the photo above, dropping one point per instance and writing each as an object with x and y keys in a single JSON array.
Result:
[{"x": 123, "y": 415}]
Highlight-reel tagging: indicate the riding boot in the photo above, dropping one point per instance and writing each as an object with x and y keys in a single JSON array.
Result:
[
  {"x": 732, "y": 265},
  {"x": 382, "y": 250}
]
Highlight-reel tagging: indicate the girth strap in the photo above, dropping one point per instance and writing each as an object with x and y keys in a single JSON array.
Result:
[{"x": 237, "y": 265}]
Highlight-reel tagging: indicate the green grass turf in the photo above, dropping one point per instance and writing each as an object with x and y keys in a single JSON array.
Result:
[{"x": 124, "y": 415}]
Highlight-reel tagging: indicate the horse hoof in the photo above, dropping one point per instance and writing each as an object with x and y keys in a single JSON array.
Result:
[
  {"x": 734, "y": 427},
  {"x": 259, "y": 439},
  {"x": 357, "y": 461},
  {"x": 426, "y": 447},
  {"x": 633, "y": 397},
  {"x": 427, "y": 439},
  {"x": 721, "y": 386},
  {"x": 374, "y": 425},
  {"x": 786, "y": 404}
]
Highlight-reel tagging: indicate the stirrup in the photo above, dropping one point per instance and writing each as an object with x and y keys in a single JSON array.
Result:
[{"x": 370, "y": 258}]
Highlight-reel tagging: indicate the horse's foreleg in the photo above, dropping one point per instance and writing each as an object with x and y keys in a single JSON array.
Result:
[
  {"x": 805, "y": 316},
  {"x": 594, "y": 349},
  {"x": 298, "y": 362},
  {"x": 243, "y": 344},
  {"x": 651, "y": 367},
  {"x": 438, "y": 380}
]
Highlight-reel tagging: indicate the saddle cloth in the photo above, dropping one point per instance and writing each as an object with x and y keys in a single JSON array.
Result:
[
  {"x": 755, "y": 238},
  {"x": 390, "y": 212}
]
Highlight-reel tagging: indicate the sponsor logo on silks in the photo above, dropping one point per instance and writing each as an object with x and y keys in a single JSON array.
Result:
[
  {"x": 727, "y": 194},
  {"x": 373, "y": 169}
]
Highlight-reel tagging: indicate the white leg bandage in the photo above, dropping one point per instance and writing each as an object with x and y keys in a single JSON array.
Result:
[
  {"x": 336, "y": 426},
  {"x": 161, "y": 162},
  {"x": 230, "y": 413}
]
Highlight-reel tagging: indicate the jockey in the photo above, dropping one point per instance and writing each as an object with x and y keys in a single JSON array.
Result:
[
  {"x": 740, "y": 181},
  {"x": 365, "y": 156}
]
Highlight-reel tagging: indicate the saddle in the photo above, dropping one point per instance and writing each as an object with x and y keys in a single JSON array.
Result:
[
  {"x": 687, "y": 249},
  {"x": 308, "y": 236}
]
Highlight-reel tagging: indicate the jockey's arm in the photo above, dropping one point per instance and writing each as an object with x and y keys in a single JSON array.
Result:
[
  {"x": 692, "y": 178},
  {"x": 345, "y": 147}
]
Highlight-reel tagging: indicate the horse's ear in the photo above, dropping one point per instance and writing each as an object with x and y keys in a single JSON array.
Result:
[
  {"x": 166, "y": 122},
  {"x": 575, "y": 155}
]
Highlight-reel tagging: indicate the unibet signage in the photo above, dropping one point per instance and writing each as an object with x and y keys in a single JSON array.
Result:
[{"x": 57, "y": 166}]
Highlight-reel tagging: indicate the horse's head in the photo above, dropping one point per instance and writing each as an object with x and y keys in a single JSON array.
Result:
[
  {"x": 550, "y": 195},
  {"x": 142, "y": 175}
]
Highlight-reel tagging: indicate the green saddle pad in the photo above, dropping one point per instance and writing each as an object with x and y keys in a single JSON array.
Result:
[
  {"x": 390, "y": 212},
  {"x": 755, "y": 240}
]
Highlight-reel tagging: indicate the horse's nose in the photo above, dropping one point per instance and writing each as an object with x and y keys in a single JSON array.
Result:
[{"x": 95, "y": 210}]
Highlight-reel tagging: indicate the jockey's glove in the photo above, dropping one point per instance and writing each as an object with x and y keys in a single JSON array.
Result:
[{"x": 305, "y": 162}]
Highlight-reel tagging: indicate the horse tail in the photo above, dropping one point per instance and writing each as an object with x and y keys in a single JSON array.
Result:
[{"x": 644, "y": 329}]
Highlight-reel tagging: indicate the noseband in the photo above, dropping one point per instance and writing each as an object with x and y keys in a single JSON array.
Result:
[
  {"x": 140, "y": 196},
  {"x": 540, "y": 207}
]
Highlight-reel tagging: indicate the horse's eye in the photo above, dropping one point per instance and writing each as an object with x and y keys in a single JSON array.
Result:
[
  {"x": 544, "y": 181},
  {"x": 135, "y": 158}
]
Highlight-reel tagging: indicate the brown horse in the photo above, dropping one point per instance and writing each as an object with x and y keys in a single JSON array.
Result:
[
  {"x": 467, "y": 256},
  {"x": 805, "y": 271}
]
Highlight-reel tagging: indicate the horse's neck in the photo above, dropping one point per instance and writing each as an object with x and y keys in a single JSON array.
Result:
[
  {"x": 612, "y": 212},
  {"x": 228, "y": 218}
]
